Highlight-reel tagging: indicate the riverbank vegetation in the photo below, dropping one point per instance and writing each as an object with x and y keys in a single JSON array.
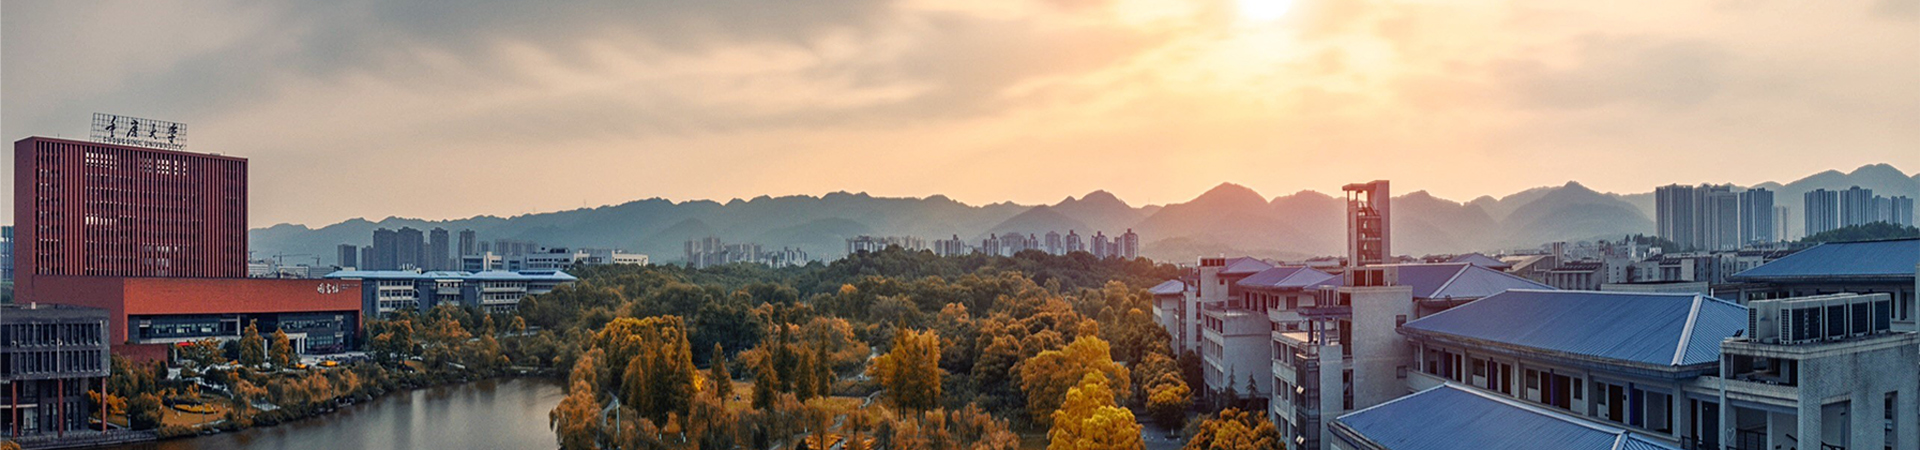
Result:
[
  {"x": 938, "y": 352},
  {"x": 894, "y": 349}
]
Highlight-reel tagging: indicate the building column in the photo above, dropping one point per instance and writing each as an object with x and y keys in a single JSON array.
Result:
[
  {"x": 1331, "y": 389},
  {"x": 1906, "y": 418},
  {"x": 1678, "y": 412},
  {"x": 1810, "y": 425},
  {"x": 103, "y": 404}
]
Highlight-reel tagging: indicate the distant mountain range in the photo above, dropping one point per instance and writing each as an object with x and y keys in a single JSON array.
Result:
[{"x": 1229, "y": 219}]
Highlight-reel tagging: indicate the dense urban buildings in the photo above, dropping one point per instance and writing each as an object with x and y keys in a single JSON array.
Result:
[
  {"x": 1714, "y": 217},
  {"x": 1827, "y": 210},
  {"x": 869, "y": 244},
  {"x": 171, "y": 213},
  {"x": 711, "y": 251},
  {"x": 50, "y": 355}
]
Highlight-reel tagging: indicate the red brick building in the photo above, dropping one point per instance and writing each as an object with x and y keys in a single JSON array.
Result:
[
  {"x": 103, "y": 210},
  {"x": 158, "y": 238}
]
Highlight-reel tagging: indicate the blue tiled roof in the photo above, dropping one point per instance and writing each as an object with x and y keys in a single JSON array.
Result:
[
  {"x": 1169, "y": 287},
  {"x": 1288, "y": 278},
  {"x": 1874, "y": 259},
  {"x": 1449, "y": 417},
  {"x": 1658, "y": 329},
  {"x": 1459, "y": 281},
  {"x": 1479, "y": 260},
  {"x": 1244, "y": 265}
]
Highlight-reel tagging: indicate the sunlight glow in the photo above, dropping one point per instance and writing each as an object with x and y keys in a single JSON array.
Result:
[{"x": 1264, "y": 10}]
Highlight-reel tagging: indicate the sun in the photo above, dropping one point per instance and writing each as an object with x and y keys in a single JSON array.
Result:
[{"x": 1264, "y": 10}]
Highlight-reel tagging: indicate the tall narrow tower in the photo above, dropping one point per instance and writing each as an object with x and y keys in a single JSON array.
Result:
[{"x": 1369, "y": 223}]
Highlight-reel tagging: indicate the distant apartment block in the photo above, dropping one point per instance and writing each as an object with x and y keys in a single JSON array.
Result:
[
  {"x": 1828, "y": 210},
  {"x": 1714, "y": 217},
  {"x": 873, "y": 244},
  {"x": 711, "y": 251}
]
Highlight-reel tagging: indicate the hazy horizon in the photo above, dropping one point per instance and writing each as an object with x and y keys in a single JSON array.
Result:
[{"x": 374, "y": 109}]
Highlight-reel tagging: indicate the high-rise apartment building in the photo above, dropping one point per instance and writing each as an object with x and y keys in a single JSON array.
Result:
[
  {"x": 1901, "y": 210},
  {"x": 409, "y": 250},
  {"x": 467, "y": 241},
  {"x": 1129, "y": 245},
  {"x": 349, "y": 255},
  {"x": 1857, "y": 207},
  {"x": 1369, "y": 229},
  {"x": 92, "y": 209},
  {"x": 1674, "y": 214},
  {"x": 1822, "y": 210},
  {"x": 439, "y": 247},
  {"x": 1073, "y": 242},
  {"x": 1719, "y": 218},
  {"x": 386, "y": 250},
  {"x": 1756, "y": 216},
  {"x": 1054, "y": 244},
  {"x": 1780, "y": 233}
]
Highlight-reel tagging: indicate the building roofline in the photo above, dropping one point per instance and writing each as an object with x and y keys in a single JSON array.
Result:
[{"x": 130, "y": 147}]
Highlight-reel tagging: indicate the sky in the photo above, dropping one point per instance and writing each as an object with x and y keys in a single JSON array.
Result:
[{"x": 439, "y": 110}]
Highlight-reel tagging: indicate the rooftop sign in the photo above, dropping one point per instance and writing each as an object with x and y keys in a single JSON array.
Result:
[{"x": 127, "y": 130}]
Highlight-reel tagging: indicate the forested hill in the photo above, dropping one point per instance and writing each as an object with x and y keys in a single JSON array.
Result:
[{"x": 1228, "y": 219}]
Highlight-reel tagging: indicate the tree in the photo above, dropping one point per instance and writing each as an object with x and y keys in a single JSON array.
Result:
[
  {"x": 576, "y": 420},
  {"x": 1234, "y": 429},
  {"x": 253, "y": 349},
  {"x": 910, "y": 372},
  {"x": 722, "y": 381},
  {"x": 1168, "y": 401},
  {"x": 823, "y": 370},
  {"x": 806, "y": 380},
  {"x": 143, "y": 412},
  {"x": 282, "y": 353},
  {"x": 766, "y": 385},
  {"x": 1046, "y": 377},
  {"x": 659, "y": 374},
  {"x": 1088, "y": 419}
]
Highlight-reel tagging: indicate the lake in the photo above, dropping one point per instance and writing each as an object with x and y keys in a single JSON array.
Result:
[{"x": 507, "y": 413}]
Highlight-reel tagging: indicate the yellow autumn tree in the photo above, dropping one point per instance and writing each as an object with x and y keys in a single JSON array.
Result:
[
  {"x": 1088, "y": 419},
  {"x": 910, "y": 372},
  {"x": 1168, "y": 400},
  {"x": 1234, "y": 429},
  {"x": 1047, "y": 376}
]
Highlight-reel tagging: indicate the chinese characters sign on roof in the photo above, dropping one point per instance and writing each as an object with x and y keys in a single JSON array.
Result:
[{"x": 126, "y": 130}]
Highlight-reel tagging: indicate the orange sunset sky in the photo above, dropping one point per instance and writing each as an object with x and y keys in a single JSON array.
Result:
[{"x": 366, "y": 108}]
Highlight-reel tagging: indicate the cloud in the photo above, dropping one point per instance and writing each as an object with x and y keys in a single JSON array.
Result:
[{"x": 356, "y": 108}]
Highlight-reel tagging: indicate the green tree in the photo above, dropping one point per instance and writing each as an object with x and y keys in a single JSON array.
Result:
[
  {"x": 143, "y": 412},
  {"x": 253, "y": 349},
  {"x": 910, "y": 372},
  {"x": 766, "y": 385},
  {"x": 282, "y": 350},
  {"x": 717, "y": 372}
]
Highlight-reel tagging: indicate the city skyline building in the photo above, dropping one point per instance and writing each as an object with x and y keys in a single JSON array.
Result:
[
  {"x": 439, "y": 248},
  {"x": 1821, "y": 208},
  {"x": 1757, "y": 216}
]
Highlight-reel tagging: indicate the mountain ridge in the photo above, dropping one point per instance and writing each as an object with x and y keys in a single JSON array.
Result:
[{"x": 1228, "y": 218}]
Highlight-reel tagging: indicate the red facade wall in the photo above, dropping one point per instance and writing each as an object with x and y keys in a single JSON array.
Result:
[
  {"x": 123, "y": 297},
  {"x": 91, "y": 209}
]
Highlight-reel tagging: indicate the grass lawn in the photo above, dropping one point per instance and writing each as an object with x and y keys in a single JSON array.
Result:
[{"x": 170, "y": 416}]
